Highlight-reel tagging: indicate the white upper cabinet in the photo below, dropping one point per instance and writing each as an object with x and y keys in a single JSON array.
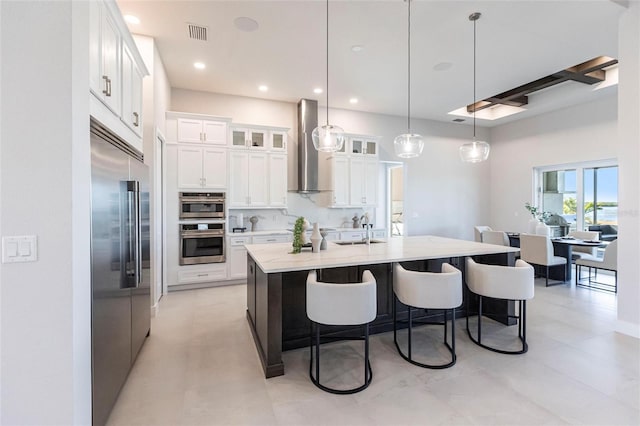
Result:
[
  {"x": 278, "y": 140},
  {"x": 116, "y": 71},
  {"x": 249, "y": 138},
  {"x": 248, "y": 179},
  {"x": 202, "y": 167},
  {"x": 202, "y": 131},
  {"x": 131, "y": 92},
  {"x": 277, "y": 180},
  {"x": 105, "y": 57},
  {"x": 352, "y": 173}
]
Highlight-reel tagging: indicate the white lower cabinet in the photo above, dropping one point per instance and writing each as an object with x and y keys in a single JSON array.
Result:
[
  {"x": 352, "y": 236},
  {"x": 237, "y": 253},
  {"x": 237, "y": 257},
  {"x": 198, "y": 274}
]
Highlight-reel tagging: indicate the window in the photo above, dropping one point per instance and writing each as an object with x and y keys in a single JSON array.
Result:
[
  {"x": 592, "y": 185},
  {"x": 600, "y": 196}
]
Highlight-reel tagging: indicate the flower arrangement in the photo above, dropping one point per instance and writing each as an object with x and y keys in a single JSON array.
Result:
[
  {"x": 297, "y": 235},
  {"x": 537, "y": 213}
]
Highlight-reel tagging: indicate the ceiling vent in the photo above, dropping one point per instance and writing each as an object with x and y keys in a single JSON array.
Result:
[{"x": 197, "y": 32}]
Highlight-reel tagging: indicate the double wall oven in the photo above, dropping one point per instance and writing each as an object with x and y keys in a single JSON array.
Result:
[{"x": 202, "y": 232}]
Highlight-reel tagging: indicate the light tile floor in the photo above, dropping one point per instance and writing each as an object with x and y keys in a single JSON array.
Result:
[{"x": 199, "y": 367}]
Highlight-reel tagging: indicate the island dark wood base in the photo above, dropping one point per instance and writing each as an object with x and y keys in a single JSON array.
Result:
[{"x": 276, "y": 305}]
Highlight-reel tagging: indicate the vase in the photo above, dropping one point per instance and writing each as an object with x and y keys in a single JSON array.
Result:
[
  {"x": 531, "y": 226},
  {"x": 323, "y": 243},
  {"x": 316, "y": 238},
  {"x": 542, "y": 229},
  {"x": 305, "y": 226}
]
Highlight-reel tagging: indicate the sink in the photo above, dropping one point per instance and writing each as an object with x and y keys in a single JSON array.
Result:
[{"x": 356, "y": 243}]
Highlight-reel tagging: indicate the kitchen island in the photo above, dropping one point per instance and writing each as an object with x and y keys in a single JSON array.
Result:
[{"x": 276, "y": 285}]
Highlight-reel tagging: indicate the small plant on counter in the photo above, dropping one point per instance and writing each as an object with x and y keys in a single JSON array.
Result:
[
  {"x": 537, "y": 213},
  {"x": 297, "y": 235}
]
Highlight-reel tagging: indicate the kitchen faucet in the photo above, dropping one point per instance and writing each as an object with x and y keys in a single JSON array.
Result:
[{"x": 365, "y": 222}]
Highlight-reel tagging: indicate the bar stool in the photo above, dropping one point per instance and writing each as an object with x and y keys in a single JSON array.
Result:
[
  {"x": 340, "y": 304},
  {"x": 427, "y": 290},
  {"x": 501, "y": 282}
]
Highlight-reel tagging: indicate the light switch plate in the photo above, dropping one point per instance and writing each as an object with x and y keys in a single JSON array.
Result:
[{"x": 19, "y": 249}]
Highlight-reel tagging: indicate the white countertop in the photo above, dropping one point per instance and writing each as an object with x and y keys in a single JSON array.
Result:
[
  {"x": 256, "y": 233},
  {"x": 278, "y": 258}
]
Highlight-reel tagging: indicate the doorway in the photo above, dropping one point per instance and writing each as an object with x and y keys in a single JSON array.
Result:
[
  {"x": 394, "y": 198},
  {"x": 159, "y": 172}
]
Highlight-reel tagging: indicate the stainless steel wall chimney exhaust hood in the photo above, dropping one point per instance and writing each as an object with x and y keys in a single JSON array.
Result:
[{"x": 307, "y": 154}]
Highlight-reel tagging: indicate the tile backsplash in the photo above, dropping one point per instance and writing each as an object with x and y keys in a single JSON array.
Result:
[{"x": 306, "y": 205}]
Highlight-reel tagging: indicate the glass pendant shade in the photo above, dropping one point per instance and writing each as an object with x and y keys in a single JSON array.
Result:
[
  {"x": 474, "y": 152},
  {"x": 328, "y": 138},
  {"x": 408, "y": 145}
]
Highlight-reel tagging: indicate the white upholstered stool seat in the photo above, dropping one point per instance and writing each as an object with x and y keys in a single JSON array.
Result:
[
  {"x": 501, "y": 282},
  {"x": 340, "y": 304},
  {"x": 427, "y": 290}
]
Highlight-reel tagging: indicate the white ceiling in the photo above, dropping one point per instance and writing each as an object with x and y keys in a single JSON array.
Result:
[{"x": 517, "y": 42}]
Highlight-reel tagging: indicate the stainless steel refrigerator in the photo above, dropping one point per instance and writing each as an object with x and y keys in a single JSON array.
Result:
[{"x": 120, "y": 265}]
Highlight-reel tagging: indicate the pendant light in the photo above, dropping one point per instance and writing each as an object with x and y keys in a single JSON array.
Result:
[
  {"x": 475, "y": 151},
  {"x": 409, "y": 144},
  {"x": 328, "y": 138}
]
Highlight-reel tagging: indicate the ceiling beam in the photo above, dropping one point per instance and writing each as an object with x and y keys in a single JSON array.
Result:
[{"x": 588, "y": 72}]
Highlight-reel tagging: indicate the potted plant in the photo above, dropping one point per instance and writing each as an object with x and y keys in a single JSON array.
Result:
[
  {"x": 537, "y": 224},
  {"x": 298, "y": 229}
]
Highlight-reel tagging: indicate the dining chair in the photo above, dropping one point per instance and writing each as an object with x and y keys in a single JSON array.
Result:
[
  {"x": 609, "y": 262},
  {"x": 478, "y": 230},
  {"x": 581, "y": 252},
  {"x": 538, "y": 250},
  {"x": 498, "y": 238}
]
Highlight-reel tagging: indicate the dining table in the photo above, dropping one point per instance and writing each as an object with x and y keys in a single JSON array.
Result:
[{"x": 562, "y": 247}]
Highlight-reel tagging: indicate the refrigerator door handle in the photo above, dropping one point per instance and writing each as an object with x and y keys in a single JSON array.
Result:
[{"x": 133, "y": 189}]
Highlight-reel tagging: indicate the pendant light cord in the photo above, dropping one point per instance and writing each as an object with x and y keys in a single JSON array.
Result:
[
  {"x": 474, "y": 79},
  {"x": 409, "y": 68},
  {"x": 327, "y": 63}
]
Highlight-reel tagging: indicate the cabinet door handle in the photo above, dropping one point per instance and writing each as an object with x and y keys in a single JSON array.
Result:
[
  {"x": 107, "y": 85},
  {"x": 204, "y": 137},
  {"x": 137, "y": 119},
  {"x": 204, "y": 181},
  {"x": 271, "y": 240},
  {"x": 203, "y": 275}
]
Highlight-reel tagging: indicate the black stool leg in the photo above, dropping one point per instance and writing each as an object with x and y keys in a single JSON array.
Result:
[
  {"x": 366, "y": 353},
  {"x": 409, "y": 329},
  {"x": 480, "y": 320}
]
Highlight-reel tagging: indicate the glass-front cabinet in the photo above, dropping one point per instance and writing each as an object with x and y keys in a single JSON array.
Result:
[{"x": 248, "y": 138}]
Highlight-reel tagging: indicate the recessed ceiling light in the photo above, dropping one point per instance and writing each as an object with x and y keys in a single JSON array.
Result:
[
  {"x": 442, "y": 66},
  {"x": 317, "y": 90},
  {"x": 246, "y": 24},
  {"x": 263, "y": 88},
  {"x": 353, "y": 100},
  {"x": 199, "y": 65},
  {"x": 357, "y": 48},
  {"x": 132, "y": 19}
]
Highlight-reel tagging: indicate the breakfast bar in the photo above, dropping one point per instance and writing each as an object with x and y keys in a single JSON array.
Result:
[{"x": 276, "y": 284}]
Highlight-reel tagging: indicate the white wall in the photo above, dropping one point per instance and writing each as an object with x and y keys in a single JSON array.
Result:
[
  {"x": 45, "y": 175},
  {"x": 156, "y": 101},
  {"x": 581, "y": 133},
  {"x": 443, "y": 195},
  {"x": 629, "y": 175}
]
